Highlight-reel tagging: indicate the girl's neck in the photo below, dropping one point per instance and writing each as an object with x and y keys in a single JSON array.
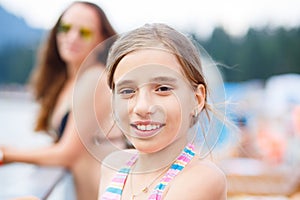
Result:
[{"x": 161, "y": 159}]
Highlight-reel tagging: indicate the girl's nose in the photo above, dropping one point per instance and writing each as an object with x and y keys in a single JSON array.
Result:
[{"x": 142, "y": 103}]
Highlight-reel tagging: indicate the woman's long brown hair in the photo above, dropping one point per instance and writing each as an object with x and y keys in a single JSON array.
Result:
[{"x": 50, "y": 75}]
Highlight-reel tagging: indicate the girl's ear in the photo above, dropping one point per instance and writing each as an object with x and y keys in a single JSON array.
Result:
[{"x": 200, "y": 94}]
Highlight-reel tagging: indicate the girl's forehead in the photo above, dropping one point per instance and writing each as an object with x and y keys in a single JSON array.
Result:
[
  {"x": 152, "y": 75},
  {"x": 148, "y": 57}
]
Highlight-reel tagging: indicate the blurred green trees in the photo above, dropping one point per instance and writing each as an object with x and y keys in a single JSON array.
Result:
[
  {"x": 16, "y": 63},
  {"x": 257, "y": 55}
]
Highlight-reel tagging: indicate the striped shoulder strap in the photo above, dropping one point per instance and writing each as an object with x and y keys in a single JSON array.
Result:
[
  {"x": 115, "y": 189},
  {"x": 182, "y": 160}
]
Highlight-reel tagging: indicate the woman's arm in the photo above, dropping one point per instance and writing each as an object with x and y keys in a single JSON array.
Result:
[
  {"x": 62, "y": 153},
  {"x": 80, "y": 123}
]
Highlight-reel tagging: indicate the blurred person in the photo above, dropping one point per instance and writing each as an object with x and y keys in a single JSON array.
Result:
[
  {"x": 79, "y": 29},
  {"x": 246, "y": 146},
  {"x": 159, "y": 95},
  {"x": 292, "y": 156},
  {"x": 271, "y": 141},
  {"x": 296, "y": 120}
]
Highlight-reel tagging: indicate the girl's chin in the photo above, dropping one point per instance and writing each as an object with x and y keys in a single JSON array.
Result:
[{"x": 146, "y": 147}]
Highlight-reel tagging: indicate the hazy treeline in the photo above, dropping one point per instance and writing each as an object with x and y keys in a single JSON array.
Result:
[
  {"x": 257, "y": 55},
  {"x": 16, "y": 63}
]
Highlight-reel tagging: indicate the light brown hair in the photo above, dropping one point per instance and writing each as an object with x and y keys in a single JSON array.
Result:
[{"x": 159, "y": 36}]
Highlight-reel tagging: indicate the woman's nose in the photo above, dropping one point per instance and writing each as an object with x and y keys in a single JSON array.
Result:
[{"x": 73, "y": 34}]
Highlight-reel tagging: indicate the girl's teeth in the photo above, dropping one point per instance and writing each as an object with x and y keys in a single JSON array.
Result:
[{"x": 147, "y": 127}]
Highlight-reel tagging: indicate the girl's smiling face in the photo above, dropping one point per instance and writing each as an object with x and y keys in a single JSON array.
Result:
[{"x": 153, "y": 101}]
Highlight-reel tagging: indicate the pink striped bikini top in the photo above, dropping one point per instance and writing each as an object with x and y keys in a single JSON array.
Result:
[{"x": 115, "y": 189}]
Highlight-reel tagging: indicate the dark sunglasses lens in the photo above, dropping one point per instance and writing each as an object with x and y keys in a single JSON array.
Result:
[
  {"x": 86, "y": 33},
  {"x": 64, "y": 28}
]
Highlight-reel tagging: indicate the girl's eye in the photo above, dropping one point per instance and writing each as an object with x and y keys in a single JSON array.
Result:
[
  {"x": 126, "y": 93},
  {"x": 164, "y": 89}
]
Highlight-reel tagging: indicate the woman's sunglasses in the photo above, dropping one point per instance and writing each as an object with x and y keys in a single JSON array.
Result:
[{"x": 84, "y": 33}]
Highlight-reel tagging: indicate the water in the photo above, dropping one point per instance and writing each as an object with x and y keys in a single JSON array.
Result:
[
  {"x": 17, "y": 118},
  {"x": 17, "y": 112}
]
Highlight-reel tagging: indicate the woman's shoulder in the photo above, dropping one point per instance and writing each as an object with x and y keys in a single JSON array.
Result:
[
  {"x": 202, "y": 179},
  {"x": 90, "y": 73},
  {"x": 87, "y": 81}
]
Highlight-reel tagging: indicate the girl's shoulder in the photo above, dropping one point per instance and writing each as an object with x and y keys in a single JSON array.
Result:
[
  {"x": 201, "y": 179},
  {"x": 208, "y": 170}
]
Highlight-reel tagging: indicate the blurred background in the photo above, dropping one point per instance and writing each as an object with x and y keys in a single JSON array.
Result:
[
  {"x": 257, "y": 39},
  {"x": 257, "y": 46}
]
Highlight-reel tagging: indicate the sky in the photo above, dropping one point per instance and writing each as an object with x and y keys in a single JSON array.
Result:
[{"x": 236, "y": 16}]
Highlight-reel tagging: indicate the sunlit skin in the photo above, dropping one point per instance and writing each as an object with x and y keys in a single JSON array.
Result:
[{"x": 156, "y": 102}]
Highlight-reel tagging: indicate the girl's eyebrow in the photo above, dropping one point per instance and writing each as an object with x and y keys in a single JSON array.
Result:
[
  {"x": 124, "y": 82},
  {"x": 167, "y": 79},
  {"x": 164, "y": 79}
]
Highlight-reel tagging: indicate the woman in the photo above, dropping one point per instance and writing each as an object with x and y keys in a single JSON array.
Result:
[
  {"x": 159, "y": 95},
  {"x": 80, "y": 28}
]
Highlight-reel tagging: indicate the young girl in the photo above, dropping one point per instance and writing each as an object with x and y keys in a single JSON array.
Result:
[{"x": 159, "y": 92}]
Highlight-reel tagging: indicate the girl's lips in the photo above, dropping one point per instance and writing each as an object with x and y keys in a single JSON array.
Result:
[{"x": 146, "y": 129}]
